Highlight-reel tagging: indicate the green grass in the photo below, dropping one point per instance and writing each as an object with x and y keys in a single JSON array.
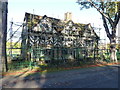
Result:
[
  {"x": 118, "y": 55},
  {"x": 61, "y": 67},
  {"x": 17, "y": 65},
  {"x": 54, "y": 66}
]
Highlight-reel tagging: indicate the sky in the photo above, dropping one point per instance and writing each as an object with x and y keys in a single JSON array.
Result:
[{"x": 53, "y": 8}]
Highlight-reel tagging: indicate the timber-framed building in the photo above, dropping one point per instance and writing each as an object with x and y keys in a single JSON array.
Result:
[{"x": 47, "y": 38}]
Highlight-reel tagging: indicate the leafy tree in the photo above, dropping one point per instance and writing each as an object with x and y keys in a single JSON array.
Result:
[{"x": 110, "y": 12}]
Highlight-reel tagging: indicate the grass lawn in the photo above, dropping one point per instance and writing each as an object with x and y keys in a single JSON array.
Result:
[{"x": 38, "y": 69}]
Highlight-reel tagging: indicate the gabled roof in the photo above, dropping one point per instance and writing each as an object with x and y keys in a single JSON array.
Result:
[
  {"x": 37, "y": 17},
  {"x": 33, "y": 19},
  {"x": 57, "y": 24},
  {"x": 89, "y": 27}
]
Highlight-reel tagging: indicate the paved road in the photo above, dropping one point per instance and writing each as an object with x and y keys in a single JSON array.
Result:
[{"x": 96, "y": 77}]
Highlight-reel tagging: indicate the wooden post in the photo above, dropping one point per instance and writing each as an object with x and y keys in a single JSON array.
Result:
[
  {"x": 24, "y": 40},
  {"x": 1, "y": 36},
  {"x": 3, "y": 32}
]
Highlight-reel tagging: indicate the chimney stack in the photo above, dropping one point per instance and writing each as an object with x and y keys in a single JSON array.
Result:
[{"x": 68, "y": 16}]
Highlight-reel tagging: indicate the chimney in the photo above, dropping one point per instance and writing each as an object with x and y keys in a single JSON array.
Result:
[{"x": 68, "y": 16}]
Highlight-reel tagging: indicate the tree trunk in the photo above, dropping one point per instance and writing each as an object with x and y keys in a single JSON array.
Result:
[
  {"x": 112, "y": 38},
  {"x": 113, "y": 56}
]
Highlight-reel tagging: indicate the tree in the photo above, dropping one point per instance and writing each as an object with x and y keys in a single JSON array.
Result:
[
  {"x": 3, "y": 33},
  {"x": 110, "y": 12}
]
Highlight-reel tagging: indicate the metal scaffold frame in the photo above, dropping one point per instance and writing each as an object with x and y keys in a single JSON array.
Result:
[
  {"x": 11, "y": 43},
  {"x": 47, "y": 38},
  {"x": 49, "y": 41}
]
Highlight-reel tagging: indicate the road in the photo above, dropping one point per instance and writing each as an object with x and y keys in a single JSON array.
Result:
[{"x": 95, "y": 77}]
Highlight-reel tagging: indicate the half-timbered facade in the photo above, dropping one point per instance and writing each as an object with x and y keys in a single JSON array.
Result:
[{"x": 48, "y": 38}]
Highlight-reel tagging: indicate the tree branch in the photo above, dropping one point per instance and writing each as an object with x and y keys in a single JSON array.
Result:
[
  {"x": 106, "y": 27},
  {"x": 117, "y": 17},
  {"x": 101, "y": 12},
  {"x": 110, "y": 20}
]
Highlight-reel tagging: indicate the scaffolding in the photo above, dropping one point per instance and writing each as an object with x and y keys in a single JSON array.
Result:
[
  {"x": 49, "y": 39},
  {"x": 13, "y": 40}
]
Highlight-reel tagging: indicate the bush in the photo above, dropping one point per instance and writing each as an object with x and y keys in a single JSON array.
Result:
[{"x": 118, "y": 55}]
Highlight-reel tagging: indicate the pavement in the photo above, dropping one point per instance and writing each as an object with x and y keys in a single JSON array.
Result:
[{"x": 92, "y": 77}]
